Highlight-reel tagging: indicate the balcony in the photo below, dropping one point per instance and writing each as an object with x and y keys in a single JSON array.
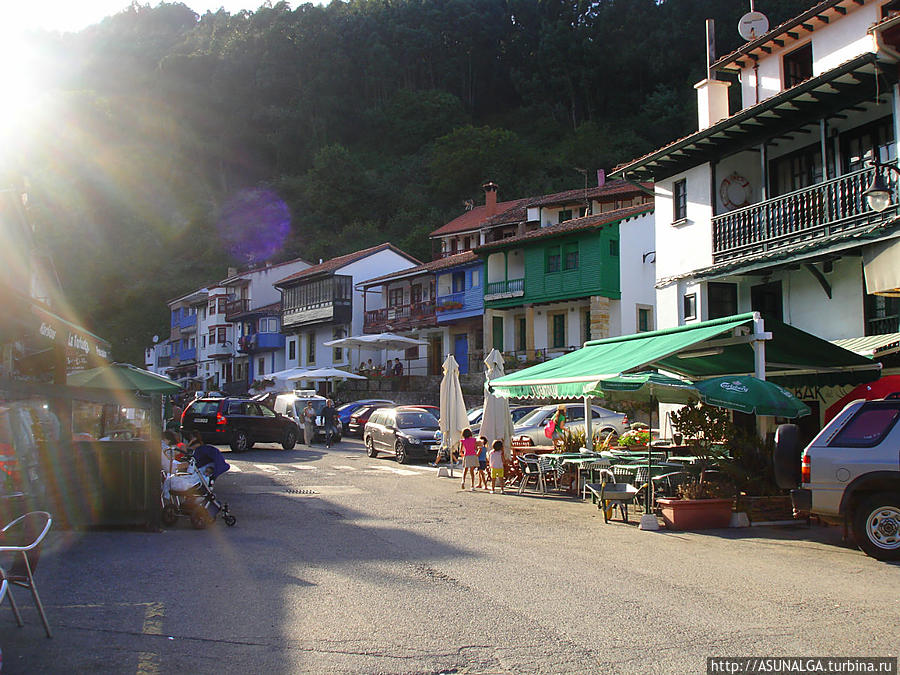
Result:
[
  {"x": 328, "y": 300},
  {"x": 189, "y": 354},
  {"x": 235, "y": 307},
  {"x": 804, "y": 216},
  {"x": 261, "y": 342},
  {"x": 450, "y": 301},
  {"x": 400, "y": 317},
  {"x": 163, "y": 361},
  {"x": 218, "y": 350},
  {"x": 508, "y": 288},
  {"x": 188, "y": 321},
  {"x": 883, "y": 325}
]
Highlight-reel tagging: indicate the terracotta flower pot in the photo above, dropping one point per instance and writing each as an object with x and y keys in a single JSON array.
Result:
[{"x": 695, "y": 514}]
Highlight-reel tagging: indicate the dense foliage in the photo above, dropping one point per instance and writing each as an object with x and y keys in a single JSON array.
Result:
[{"x": 164, "y": 134}]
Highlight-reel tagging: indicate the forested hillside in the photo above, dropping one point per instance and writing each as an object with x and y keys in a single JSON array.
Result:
[{"x": 165, "y": 139}]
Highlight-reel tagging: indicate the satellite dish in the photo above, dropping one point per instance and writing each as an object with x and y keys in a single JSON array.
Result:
[
  {"x": 155, "y": 339},
  {"x": 752, "y": 25}
]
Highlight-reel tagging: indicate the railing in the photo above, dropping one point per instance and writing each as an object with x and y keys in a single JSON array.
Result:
[
  {"x": 507, "y": 287},
  {"x": 189, "y": 354},
  {"x": 188, "y": 321},
  {"x": 520, "y": 358},
  {"x": 400, "y": 316},
  {"x": 236, "y": 307},
  {"x": 451, "y": 301},
  {"x": 827, "y": 208},
  {"x": 218, "y": 349},
  {"x": 883, "y": 325},
  {"x": 245, "y": 344},
  {"x": 447, "y": 254},
  {"x": 162, "y": 361}
]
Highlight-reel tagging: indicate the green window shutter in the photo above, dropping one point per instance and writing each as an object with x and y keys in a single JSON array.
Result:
[
  {"x": 559, "y": 330},
  {"x": 551, "y": 259},
  {"x": 498, "y": 333},
  {"x": 614, "y": 248}
]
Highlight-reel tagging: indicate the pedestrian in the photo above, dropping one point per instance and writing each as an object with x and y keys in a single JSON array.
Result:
[
  {"x": 174, "y": 422},
  {"x": 559, "y": 420},
  {"x": 496, "y": 462},
  {"x": 470, "y": 457},
  {"x": 398, "y": 368},
  {"x": 329, "y": 415},
  {"x": 309, "y": 423},
  {"x": 482, "y": 462}
]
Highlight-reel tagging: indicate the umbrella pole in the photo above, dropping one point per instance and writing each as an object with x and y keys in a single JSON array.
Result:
[{"x": 650, "y": 458}]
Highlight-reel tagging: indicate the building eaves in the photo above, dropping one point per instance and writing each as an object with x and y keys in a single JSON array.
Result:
[
  {"x": 786, "y": 110},
  {"x": 471, "y": 221},
  {"x": 569, "y": 227},
  {"x": 463, "y": 258},
  {"x": 337, "y": 263},
  {"x": 611, "y": 189}
]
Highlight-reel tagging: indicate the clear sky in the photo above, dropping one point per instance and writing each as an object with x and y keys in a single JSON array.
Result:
[{"x": 73, "y": 15}]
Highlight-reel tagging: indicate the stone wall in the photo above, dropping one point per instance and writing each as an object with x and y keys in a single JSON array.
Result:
[{"x": 411, "y": 389}]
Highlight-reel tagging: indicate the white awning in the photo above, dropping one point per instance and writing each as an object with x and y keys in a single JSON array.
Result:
[
  {"x": 881, "y": 266},
  {"x": 872, "y": 345}
]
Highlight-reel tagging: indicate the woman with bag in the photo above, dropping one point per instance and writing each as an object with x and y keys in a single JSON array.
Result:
[{"x": 556, "y": 426}]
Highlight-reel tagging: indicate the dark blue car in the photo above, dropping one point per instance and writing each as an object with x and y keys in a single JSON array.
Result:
[{"x": 344, "y": 411}]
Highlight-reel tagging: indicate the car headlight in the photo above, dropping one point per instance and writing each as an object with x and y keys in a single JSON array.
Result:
[{"x": 410, "y": 439}]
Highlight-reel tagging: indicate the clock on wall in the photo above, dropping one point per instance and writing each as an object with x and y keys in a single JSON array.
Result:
[{"x": 734, "y": 191}]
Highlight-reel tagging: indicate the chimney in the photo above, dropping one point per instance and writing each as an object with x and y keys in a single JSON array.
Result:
[
  {"x": 232, "y": 272},
  {"x": 601, "y": 178},
  {"x": 712, "y": 95},
  {"x": 490, "y": 198}
]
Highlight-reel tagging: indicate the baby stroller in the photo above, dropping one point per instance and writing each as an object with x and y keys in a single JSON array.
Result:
[{"x": 190, "y": 495}]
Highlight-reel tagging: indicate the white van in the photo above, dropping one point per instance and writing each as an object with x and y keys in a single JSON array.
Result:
[{"x": 291, "y": 405}]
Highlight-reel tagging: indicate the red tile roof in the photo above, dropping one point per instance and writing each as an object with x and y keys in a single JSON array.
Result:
[
  {"x": 433, "y": 266},
  {"x": 569, "y": 226},
  {"x": 342, "y": 261},
  {"x": 611, "y": 188},
  {"x": 472, "y": 220}
]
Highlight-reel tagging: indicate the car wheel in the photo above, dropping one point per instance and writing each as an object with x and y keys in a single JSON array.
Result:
[
  {"x": 240, "y": 441},
  {"x": 290, "y": 440},
  {"x": 400, "y": 452},
  {"x": 876, "y": 526},
  {"x": 370, "y": 447}
]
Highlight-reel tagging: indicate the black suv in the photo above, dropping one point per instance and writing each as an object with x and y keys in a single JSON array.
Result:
[{"x": 239, "y": 422}]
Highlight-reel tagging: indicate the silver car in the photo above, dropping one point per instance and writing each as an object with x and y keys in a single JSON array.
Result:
[
  {"x": 603, "y": 421},
  {"x": 405, "y": 432}
]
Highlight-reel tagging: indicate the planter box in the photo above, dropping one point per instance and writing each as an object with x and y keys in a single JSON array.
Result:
[
  {"x": 695, "y": 514},
  {"x": 767, "y": 509}
]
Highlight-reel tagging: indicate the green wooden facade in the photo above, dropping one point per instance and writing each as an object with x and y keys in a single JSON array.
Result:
[{"x": 564, "y": 267}]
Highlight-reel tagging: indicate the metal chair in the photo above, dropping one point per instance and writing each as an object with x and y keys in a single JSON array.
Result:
[
  {"x": 21, "y": 570},
  {"x": 530, "y": 468},
  {"x": 550, "y": 470}
]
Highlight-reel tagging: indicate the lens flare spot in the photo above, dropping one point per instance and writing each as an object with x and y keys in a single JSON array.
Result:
[{"x": 254, "y": 225}]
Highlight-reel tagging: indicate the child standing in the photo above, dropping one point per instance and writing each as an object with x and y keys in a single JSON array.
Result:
[
  {"x": 470, "y": 457},
  {"x": 482, "y": 462},
  {"x": 496, "y": 461}
]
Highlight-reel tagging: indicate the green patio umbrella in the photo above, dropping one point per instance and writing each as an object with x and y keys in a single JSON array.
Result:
[
  {"x": 749, "y": 394},
  {"x": 123, "y": 377}
]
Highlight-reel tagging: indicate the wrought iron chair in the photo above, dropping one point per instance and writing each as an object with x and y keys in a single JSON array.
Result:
[
  {"x": 529, "y": 466},
  {"x": 27, "y": 532},
  {"x": 549, "y": 471}
]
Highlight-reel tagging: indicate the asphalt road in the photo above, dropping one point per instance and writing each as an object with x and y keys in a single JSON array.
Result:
[{"x": 344, "y": 564}]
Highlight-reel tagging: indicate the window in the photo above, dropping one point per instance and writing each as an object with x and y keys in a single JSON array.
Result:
[
  {"x": 459, "y": 282},
  {"x": 497, "y": 330},
  {"x": 767, "y": 299},
  {"x": 310, "y": 347},
  {"x": 558, "y": 334},
  {"x": 212, "y": 336},
  {"x": 587, "y": 325},
  {"x": 551, "y": 259},
  {"x": 722, "y": 299},
  {"x": 467, "y": 243},
  {"x": 882, "y": 314},
  {"x": 268, "y": 325},
  {"x": 798, "y": 65},
  {"x": 222, "y": 337},
  {"x": 614, "y": 248},
  {"x": 222, "y": 302},
  {"x": 337, "y": 354},
  {"x": 679, "y": 200},
  {"x": 261, "y": 368},
  {"x": 176, "y": 315},
  {"x": 796, "y": 170},
  {"x": 203, "y": 341},
  {"x": 476, "y": 278},
  {"x": 644, "y": 319},
  {"x": 564, "y": 215},
  {"x": 571, "y": 256},
  {"x": 869, "y": 425},
  {"x": 690, "y": 306},
  {"x": 395, "y": 297},
  {"x": 266, "y": 411},
  {"x": 858, "y": 145},
  {"x": 415, "y": 294},
  {"x": 292, "y": 350},
  {"x": 212, "y": 307}
]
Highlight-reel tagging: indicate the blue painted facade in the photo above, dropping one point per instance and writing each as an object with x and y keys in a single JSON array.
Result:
[
  {"x": 188, "y": 320},
  {"x": 266, "y": 341},
  {"x": 467, "y": 291}
]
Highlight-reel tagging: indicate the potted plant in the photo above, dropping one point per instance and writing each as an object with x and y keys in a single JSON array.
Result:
[
  {"x": 702, "y": 502},
  {"x": 750, "y": 466}
]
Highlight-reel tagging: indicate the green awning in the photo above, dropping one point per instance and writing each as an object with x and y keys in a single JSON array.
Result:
[{"x": 696, "y": 351}]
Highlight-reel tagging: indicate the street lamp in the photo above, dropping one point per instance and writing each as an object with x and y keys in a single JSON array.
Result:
[{"x": 878, "y": 195}]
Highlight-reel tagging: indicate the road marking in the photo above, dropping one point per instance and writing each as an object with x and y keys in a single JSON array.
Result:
[
  {"x": 148, "y": 662},
  {"x": 344, "y": 467},
  {"x": 305, "y": 467},
  {"x": 267, "y": 467},
  {"x": 235, "y": 468},
  {"x": 399, "y": 472}
]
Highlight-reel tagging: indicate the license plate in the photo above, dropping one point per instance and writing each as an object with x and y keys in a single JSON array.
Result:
[{"x": 201, "y": 420}]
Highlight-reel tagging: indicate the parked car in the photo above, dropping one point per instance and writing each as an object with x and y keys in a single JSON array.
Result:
[
  {"x": 347, "y": 409},
  {"x": 516, "y": 412},
  {"x": 433, "y": 409},
  {"x": 360, "y": 416},
  {"x": 530, "y": 428},
  {"x": 238, "y": 422},
  {"x": 404, "y": 432},
  {"x": 849, "y": 473},
  {"x": 292, "y": 405}
]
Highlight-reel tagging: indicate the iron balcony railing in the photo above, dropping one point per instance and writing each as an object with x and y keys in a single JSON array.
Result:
[
  {"x": 505, "y": 287},
  {"x": 400, "y": 316},
  {"x": 883, "y": 325},
  {"x": 828, "y": 208}
]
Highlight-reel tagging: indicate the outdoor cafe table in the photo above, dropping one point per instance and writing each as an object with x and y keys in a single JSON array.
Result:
[{"x": 574, "y": 459}]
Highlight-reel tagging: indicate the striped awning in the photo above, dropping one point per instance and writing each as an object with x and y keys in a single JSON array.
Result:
[{"x": 872, "y": 345}]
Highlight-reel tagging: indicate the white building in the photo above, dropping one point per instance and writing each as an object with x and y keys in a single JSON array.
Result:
[{"x": 763, "y": 208}]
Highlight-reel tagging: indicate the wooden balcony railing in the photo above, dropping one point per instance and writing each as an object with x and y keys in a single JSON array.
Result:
[
  {"x": 400, "y": 316},
  {"x": 236, "y": 307},
  {"x": 824, "y": 209},
  {"x": 507, "y": 287}
]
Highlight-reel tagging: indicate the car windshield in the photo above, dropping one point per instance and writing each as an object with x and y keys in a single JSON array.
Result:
[
  {"x": 474, "y": 415},
  {"x": 346, "y": 406},
  {"x": 204, "y": 407},
  {"x": 532, "y": 418},
  {"x": 416, "y": 420},
  {"x": 317, "y": 405}
]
